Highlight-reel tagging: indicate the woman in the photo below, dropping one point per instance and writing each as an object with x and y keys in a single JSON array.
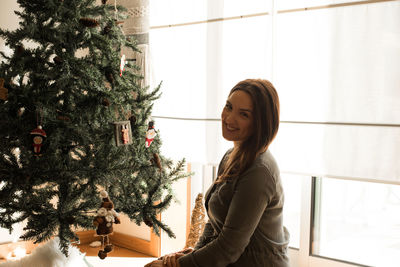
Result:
[{"x": 245, "y": 204}]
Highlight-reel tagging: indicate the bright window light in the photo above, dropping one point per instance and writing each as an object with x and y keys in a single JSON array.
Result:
[{"x": 357, "y": 222}]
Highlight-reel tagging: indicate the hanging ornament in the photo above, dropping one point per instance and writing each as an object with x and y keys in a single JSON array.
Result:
[
  {"x": 3, "y": 90},
  {"x": 58, "y": 60},
  {"x": 89, "y": 22},
  {"x": 150, "y": 134},
  {"x": 106, "y": 102},
  {"x": 20, "y": 111},
  {"x": 148, "y": 222},
  {"x": 122, "y": 65},
  {"x": 157, "y": 161},
  {"x": 106, "y": 217},
  {"x": 19, "y": 50},
  {"x": 109, "y": 76},
  {"x": 133, "y": 122},
  {"x": 123, "y": 133},
  {"x": 38, "y": 135},
  {"x": 107, "y": 29},
  {"x": 38, "y": 138}
]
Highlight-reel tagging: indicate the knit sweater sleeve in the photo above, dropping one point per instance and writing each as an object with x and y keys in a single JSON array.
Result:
[{"x": 206, "y": 236}]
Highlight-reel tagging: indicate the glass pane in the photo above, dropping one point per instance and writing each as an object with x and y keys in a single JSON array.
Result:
[
  {"x": 199, "y": 64},
  {"x": 179, "y": 60},
  {"x": 344, "y": 66},
  {"x": 291, "y": 212},
  {"x": 357, "y": 222},
  {"x": 371, "y": 153},
  {"x": 196, "y": 141}
]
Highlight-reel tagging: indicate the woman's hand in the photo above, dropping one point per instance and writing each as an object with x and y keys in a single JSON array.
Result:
[
  {"x": 171, "y": 260},
  {"x": 156, "y": 263}
]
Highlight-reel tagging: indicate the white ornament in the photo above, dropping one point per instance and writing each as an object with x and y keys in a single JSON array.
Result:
[
  {"x": 114, "y": 213},
  {"x": 103, "y": 194},
  {"x": 102, "y": 212},
  {"x": 122, "y": 65},
  {"x": 109, "y": 218}
]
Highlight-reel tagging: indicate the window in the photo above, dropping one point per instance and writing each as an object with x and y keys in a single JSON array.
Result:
[
  {"x": 291, "y": 213},
  {"x": 357, "y": 221}
]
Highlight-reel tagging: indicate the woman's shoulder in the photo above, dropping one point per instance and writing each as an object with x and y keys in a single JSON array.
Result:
[{"x": 267, "y": 162}]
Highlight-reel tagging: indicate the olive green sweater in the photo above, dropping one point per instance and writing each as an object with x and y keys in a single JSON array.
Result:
[{"x": 245, "y": 220}]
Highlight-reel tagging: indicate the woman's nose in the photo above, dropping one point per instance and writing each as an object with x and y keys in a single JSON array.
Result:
[{"x": 230, "y": 118}]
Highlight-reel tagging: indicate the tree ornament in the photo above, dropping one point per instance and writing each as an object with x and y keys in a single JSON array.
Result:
[
  {"x": 58, "y": 60},
  {"x": 157, "y": 161},
  {"x": 107, "y": 29},
  {"x": 123, "y": 133},
  {"x": 20, "y": 50},
  {"x": 148, "y": 222},
  {"x": 133, "y": 122},
  {"x": 3, "y": 90},
  {"x": 38, "y": 138},
  {"x": 110, "y": 76},
  {"x": 89, "y": 22},
  {"x": 62, "y": 117},
  {"x": 106, "y": 102},
  {"x": 150, "y": 134},
  {"x": 106, "y": 217},
  {"x": 20, "y": 111},
  {"x": 122, "y": 65}
]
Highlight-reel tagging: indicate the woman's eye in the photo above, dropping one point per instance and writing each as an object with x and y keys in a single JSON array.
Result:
[
  {"x": 228, "y": 106},
  {"x": 244, "y": 114}
]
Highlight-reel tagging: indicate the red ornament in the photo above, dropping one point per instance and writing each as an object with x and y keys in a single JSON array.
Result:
[
  {"x": 38, "y": 138},
  {"x": 150, "y": 134}
]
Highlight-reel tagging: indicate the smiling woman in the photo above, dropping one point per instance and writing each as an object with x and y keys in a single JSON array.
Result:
[{"x": 245, "y": 204}]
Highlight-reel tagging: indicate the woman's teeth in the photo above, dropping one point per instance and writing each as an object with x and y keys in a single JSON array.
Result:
[{"x": 230, "y": 128}]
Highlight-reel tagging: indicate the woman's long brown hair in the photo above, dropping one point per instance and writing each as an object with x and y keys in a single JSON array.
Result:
[{"x": 265, "y": 123}]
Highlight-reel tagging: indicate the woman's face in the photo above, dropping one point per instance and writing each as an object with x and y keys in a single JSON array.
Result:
[{"x": 237, "y": 117}]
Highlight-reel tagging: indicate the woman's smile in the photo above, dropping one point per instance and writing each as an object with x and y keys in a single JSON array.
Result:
[{"x": 237, "y": 118}]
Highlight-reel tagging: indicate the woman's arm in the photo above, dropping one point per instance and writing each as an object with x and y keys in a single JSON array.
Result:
[
  {"x": 206, "y": 236},
  {"x": 252, "y": 194}
]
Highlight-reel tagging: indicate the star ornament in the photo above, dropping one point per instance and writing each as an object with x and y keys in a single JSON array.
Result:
[{"x": 3, "y": 90}]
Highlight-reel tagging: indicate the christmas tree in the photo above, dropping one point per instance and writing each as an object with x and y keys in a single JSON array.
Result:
[{"x": 74, "y": 122}]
